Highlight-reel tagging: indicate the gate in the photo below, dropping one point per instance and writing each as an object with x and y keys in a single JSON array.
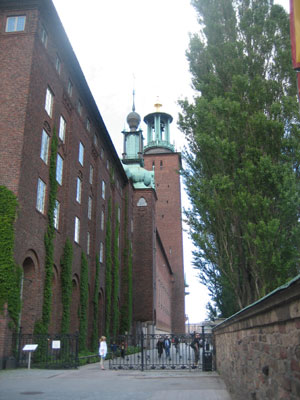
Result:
[
  {"x": 148, "y": 352},
  {"x": 53, "y": 351}
]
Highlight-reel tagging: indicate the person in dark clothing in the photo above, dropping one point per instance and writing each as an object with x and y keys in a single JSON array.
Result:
[
  {"x": 160, "y": 347},
  {"x": 122, "y": 348},
  {"x": 196, "y": 344},
  {"x": 176, "y": 344}
]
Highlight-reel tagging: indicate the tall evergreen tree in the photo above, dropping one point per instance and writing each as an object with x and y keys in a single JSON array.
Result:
[{"x": 242, "y": 160}]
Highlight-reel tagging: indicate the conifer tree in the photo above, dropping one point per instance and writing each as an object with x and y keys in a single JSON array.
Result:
[{"x": 242, "y": 157}]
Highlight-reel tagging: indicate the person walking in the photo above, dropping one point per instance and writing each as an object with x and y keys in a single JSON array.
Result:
[
  {"x": 196, "y": 344},
  {"x": 167, "y": 345},
  {"x": 102, "y": 350},
  {"x": 160, "y": 347}
]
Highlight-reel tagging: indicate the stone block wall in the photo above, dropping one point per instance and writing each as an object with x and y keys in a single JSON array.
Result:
[{"x": 258, "y": 349}]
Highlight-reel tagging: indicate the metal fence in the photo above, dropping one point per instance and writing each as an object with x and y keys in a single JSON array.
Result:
[
  {"x": 148, "y": 352},
  {"x": 53, "y": 351}
]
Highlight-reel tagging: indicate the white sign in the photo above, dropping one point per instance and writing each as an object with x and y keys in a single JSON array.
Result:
[
  {"x": 30, "y": 347},
  {"x": 55, "y": 344}
]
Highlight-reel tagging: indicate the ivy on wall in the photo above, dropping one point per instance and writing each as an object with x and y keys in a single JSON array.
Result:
[
  {"x": 126, "y": 310},
  {"x": 95, "y": 333},
  {"x": 10, "y": 273},
  {"x": 116, "y": 276},
  {"x": 108, "y": 272},
  {"x": 43, "y": 325},
  {"x": 66, "y": 284},
  {"x": 84, "y": 299}
]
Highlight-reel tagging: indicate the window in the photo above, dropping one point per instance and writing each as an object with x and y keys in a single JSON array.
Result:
[
  {"x": 45, "y": 146},
  {"x": 88, "y": 124},
  {"x": 59, "y": 168},
  {"x": 81, "y": 153},
  {"x": 49, "y": 102},
  {"x": 119, "y": 214},
  {"x": 70, "y": 88},
  {"x": 15, "y": 24},
  {"x": 103, "y": 190},
  {"x": 88, "y": 241},
  {"x": 91, "y": 174},
  {"x": 58, "y": 65},
  {"x": 90, "y": 204},
  {"x": 101, "y": 253},
  {"x": 107, "y": 164},
  {"x": 77, "y": 230},
  {"x": 41, "y": 194},
  {"x": 142, "y": 202},
  {"x": 79, "y": 107},
  {"x": 102, "y": 220},
  {"x": 95, "y": 140},
  {"x": 131, "y": 226},
  {"x": 62, "y": 128},
  {"x": 44, "y": 37},
  {"x": 78, "y": 190},
  {"x": 102, "y": 153},
  {"x": 56, "y": 214}
]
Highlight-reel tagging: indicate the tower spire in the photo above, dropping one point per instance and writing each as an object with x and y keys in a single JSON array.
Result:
[{"x": 133, "y": 105}]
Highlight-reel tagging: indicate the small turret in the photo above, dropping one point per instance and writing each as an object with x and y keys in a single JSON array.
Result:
[
  {"x": 133, "y": 139},
  {"x": 158, "y": 131}
]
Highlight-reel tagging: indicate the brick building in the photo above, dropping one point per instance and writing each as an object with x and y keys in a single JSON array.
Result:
[{"x": 44, "y": 93}]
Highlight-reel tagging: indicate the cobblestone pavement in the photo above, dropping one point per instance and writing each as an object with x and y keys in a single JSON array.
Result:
[{"x": 91, "y": 383}]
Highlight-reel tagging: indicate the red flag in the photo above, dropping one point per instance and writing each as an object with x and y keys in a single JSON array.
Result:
[{"x": 295, "y": 32}]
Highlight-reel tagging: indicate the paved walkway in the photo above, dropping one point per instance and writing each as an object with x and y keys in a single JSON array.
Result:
[{"x": 91, "y": 383}]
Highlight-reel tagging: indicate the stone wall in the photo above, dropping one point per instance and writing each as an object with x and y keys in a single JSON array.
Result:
[{"x": 258, "y": 349}]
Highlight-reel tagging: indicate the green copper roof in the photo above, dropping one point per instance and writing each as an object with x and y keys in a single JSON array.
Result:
[{"x": 141, "y": 178}]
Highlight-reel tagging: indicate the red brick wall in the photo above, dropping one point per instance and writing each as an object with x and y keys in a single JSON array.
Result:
[
  {"x": 164, "y": 288},
  {"x": 143, "y": 255},
  {"x": 168, "y": 220},
  {"x": 27, "y": 68}
]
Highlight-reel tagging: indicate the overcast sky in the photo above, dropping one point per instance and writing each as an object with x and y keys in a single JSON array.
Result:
[{"x": 137, "y": 43}]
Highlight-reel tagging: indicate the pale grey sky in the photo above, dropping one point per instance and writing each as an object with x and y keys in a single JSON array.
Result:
[{"x": 140, "y": 43}]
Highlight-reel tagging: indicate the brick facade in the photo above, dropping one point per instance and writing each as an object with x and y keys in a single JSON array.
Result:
[
  {"x": 169, "y": 223},
  {"x": 28, "y": 68}
]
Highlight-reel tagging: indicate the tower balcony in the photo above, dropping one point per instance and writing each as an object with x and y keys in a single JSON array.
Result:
[{"x": 159, "y": 144}]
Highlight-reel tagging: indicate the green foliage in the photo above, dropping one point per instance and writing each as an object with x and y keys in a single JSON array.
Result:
[
  {"x": 116, "y": 276},
  {"x": 126, "y": 309},
  {"x": 66, "y": 284},
  {"x": 84, "y": 299},
  {"x": 10, "y": 273},
  {"x": 108, "y": 272},
  {"x": 42, "y": 326},
  {"x": 95, "y": 334},
  {"x": 242, "y": 161}
]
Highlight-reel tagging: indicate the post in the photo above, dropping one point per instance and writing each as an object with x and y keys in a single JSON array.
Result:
[
  {"x": 142, "y": 346},
  {"x": 203, "y": 349},
  {"x": 29, "y": 359}
]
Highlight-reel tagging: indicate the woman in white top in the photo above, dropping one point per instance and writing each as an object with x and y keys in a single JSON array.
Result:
[{"x": 102, "y": 350}]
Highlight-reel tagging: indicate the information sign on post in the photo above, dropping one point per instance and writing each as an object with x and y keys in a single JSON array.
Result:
[
  {"x": 55, "y": 344},
  {"x": 30, "y": 348}
]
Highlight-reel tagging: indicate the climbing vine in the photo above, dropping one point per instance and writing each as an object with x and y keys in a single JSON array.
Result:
[
  {"x": 66, "y": 283},
  {"x": 84, "y": 298},
  {"x": 10, "y": 273},
  {"x": 43, "y": 325},
  {"x": 108, "y": 272},
  {"x": 95, "y": 333},
  {"x": 116, "y": 276},
  {"x": 126, "y": 310}
]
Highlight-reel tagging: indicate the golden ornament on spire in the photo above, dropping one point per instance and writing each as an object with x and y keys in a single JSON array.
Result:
[{"x": 157, "y": 105}]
